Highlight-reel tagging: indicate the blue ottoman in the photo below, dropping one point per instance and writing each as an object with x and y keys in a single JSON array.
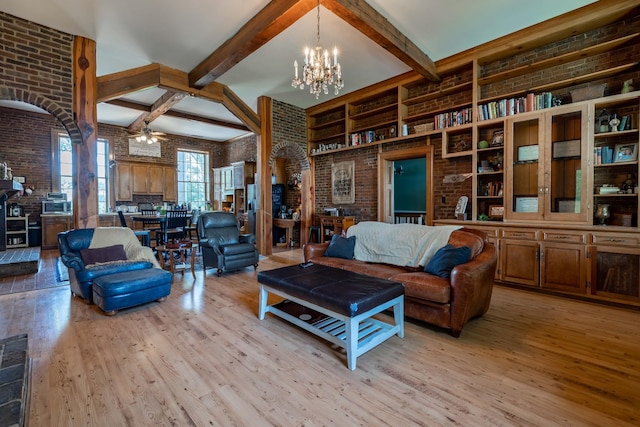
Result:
[{"x": 113, "y": 292}]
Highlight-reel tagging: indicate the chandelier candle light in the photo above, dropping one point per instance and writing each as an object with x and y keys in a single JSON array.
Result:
[{"x": 318, "y": 72}]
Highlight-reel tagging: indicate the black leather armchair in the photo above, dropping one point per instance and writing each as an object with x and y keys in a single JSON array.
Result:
[{"x": 223, "y": 247}]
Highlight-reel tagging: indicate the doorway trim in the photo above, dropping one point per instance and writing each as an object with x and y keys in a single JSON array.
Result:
[{"x": 385, "y": 179}]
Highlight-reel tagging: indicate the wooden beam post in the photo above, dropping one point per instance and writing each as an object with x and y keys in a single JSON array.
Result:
[
  {"x": 85, "y": 97},
  {"x": 264, "y": 216}
]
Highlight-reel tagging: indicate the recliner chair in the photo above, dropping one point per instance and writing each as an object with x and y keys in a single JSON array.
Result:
[{"x": 223, "y": 247}]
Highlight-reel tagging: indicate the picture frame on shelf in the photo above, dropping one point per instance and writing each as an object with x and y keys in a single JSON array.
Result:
[
  {"x": 625, "y": 152},
  {"x": 496, "y": 211},
  {"x": 498, "y": 138}
]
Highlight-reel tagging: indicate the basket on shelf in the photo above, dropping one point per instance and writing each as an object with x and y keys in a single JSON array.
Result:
[
  {"x": 423, "y": 127},
  {"x": 587, "y": 92}
]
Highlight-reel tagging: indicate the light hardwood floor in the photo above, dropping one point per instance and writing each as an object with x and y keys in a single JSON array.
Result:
[{"x": 203, "y": 358}]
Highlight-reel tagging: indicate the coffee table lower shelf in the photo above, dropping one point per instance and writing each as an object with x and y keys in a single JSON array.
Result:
[{"x": 356, "y": 335}]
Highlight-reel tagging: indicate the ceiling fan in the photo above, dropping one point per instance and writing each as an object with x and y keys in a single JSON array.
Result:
[{"x": 147, "y": 135}]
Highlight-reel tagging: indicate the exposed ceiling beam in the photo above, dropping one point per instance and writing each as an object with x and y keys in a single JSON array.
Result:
[
  {"x": 119, "y": 84},
  {"x": 144, "y": 107},
  {"x": 274, "y": 18},
  {"x": 369, "y": 22},
  {"x": 160, "y": 107}
]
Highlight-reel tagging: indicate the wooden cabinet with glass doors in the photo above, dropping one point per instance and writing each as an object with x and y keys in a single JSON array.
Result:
[{"x": 546, "y": 163}]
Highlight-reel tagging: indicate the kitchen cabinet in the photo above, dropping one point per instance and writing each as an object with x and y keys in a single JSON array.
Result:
[
  {"x": 145, "y": 179},
  {"x": 223, "y": 189},
  {"x": 123, "y": 182},
  {"x": 170, "y": 188},
  {"x": 51, "y": 226}
]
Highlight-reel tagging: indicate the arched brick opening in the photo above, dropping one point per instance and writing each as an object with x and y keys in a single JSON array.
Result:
[
  {"x": 298, "y": 153},
  {"x": 63, "y": 117}
]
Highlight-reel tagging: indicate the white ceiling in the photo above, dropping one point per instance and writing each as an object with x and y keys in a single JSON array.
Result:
[{"x": 180, "y": 34}]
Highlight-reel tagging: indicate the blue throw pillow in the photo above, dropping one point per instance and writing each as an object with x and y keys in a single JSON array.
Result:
[
  {"x": 341, "y": 247},
  {"x": 446, "y": 258}
]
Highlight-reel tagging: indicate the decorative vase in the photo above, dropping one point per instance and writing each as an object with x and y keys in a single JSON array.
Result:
[{"x": 602, "y": 213}]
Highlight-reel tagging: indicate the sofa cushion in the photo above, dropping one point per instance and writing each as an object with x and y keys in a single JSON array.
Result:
[
  {"x": 341, "y": 247},
  {"x": 97, "y": 270},
  {"x": 100, "y": 255},
  {"x": 446, "y": 258}
]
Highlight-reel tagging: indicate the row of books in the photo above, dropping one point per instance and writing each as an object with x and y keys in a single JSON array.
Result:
[
  {"x": 363, "y": 137},
  {"x": 453, "y": 118},
  {"x": 603, "y": 155},
  {"x": 512, "y": 106}
]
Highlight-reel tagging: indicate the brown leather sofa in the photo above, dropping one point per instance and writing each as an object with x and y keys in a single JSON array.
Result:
[{"x": 447, "y": 303}]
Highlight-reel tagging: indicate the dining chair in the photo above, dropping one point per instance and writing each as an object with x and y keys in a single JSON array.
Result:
[
  {"x": 192, "y": 229},
  {"x": 173, "y": 227},
  {"x": 144, "y": 235}
]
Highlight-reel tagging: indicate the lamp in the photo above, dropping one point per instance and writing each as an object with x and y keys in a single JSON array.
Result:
[{"x": 318, "y": 71}]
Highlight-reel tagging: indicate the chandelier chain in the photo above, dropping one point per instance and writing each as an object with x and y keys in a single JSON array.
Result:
[{"x": 318, "y": 71}]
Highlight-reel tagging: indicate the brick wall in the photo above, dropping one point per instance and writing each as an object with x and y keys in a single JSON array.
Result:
[
  {"x": 618, "y": 56},
  {"x": 244, "y": 148},
  {"x": 26, "y": 148},
  {"x": 36, "y": 66}
]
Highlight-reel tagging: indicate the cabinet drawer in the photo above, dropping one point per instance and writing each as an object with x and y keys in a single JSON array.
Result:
[
  {"x": 520, "y": 234},
  {"x": 615, "y": 239},
  {"x": 552, "y": 236}
]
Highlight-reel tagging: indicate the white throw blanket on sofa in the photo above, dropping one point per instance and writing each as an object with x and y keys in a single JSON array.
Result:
[
  {"x": 109, "y": 236},
  {"x": 406, "y": 245}
]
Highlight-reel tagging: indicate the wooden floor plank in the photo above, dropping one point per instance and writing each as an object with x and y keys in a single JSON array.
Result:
[{"x": 203, "y": 358}]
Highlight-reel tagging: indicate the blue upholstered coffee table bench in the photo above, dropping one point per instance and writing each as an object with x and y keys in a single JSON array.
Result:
[
  {"x": 114, "y": 292},
  {"x": 347, "y": 301}
]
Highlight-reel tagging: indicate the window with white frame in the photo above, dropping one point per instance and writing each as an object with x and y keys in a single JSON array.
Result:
[
  {"x": 193, "y": 178},
  {"x": 63, "y": 156},
  {"x": 102, "y": 175}
]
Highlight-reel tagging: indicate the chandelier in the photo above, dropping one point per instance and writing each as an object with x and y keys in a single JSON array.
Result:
[{"x": 318, "y": 71}]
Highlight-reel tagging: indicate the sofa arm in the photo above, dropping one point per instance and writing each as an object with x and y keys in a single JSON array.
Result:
[
  {"x": 73, "y": 261},
  {"x": 314, "y": 250},
  {"x": 471, "y": 287},
  {"x": 248, "y": 238}
]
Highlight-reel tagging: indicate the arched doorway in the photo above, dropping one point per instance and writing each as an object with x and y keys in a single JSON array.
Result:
[
  {"x": 63, "y": 117},
  {"x": 298, "y": 162}
]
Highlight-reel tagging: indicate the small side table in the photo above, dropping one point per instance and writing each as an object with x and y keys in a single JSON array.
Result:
[{"x": 186, "y": 255}]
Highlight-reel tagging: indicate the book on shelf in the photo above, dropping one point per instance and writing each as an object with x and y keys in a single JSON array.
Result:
[
  {"x": 512, "y": 106},
  {"x": 603, "y": 155},
  {"x": 453, "y": 118}
]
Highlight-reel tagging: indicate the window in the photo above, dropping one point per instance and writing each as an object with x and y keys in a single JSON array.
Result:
[
  {"x": 62, "y": 180},
  {"x": 102, "y": 175},
  {"x": 62, "y": 166},
  {"x": 193, "y": 178}
]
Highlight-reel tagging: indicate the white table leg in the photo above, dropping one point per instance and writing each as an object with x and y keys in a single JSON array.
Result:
[
  {"x": 398, "y": 316},
  {"x": 262, "y": 309},
  {"x": 351, "y": 344}
]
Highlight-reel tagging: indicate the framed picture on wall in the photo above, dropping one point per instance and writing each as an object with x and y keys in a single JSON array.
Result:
[{"x": 343, "y": 183}]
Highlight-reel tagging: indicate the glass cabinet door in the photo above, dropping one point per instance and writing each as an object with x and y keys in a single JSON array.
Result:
[
  {"x": 523, "y": 168},
  {"x": 546, "y": 174},
  {"x": 565, "y": 180}
]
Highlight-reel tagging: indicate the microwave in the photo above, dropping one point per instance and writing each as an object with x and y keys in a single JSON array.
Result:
[{"x": 55, "y": 206}]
